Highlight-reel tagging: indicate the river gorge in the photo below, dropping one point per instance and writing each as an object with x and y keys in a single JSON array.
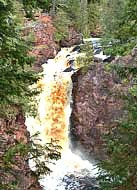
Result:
[
  {"x": 53, "y": 122},
  {"x": 76, "y": 108}
]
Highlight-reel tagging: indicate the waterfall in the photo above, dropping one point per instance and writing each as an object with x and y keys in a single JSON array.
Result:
[{"x": 52, "y": 121}]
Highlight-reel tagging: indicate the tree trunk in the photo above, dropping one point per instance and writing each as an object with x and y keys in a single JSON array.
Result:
[
  {"x": 53, "y": 9},
  {"x": 84, "y": 27}
]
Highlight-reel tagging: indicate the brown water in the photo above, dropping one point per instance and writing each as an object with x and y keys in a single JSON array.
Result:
[{"x": 52, "y": 120}]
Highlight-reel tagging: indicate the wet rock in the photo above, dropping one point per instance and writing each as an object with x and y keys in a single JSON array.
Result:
[
  {"x": 69, "y": 69},
  {"x": 80, "y": 181}
]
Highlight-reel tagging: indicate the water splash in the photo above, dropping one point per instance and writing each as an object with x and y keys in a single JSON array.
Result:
[{"x": 53, "y": 120}]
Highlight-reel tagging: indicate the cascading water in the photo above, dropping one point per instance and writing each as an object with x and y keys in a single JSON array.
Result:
[{"x": 53, "y": 122}]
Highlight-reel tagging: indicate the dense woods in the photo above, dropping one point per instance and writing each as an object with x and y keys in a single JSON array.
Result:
[{"x": 115, "y": 21}]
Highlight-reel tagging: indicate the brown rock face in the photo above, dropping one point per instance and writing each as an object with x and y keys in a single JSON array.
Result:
[
  {"x": 18, "y": 173},
  {"x": 44, "y": 46},
  {"x": 128, "y": 60},
  {"x": 96, "y": 108},
  {"x": 97, "y": 105}
]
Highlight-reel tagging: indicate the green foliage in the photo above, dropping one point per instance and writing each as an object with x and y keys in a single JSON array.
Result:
[
  {"x": 30, "y": 6},
  {"x": 93, "y": 16},
  {"x": 11, "y": 186},
  {"x": 73, "y": 10},
  {"x": 41, "y": 154},
  {"x": 119, "y": 25},
  {"x": 20, "y": 149},
  {"x": 61, "y": 25},
  {"x": 117, "y": 47},
  {"x": 86, "y": 57},
  {"x": 67, "y": 14},
  {"x": 83, "y": 15},
  {"x": 15, "y": 63},
  {"x": 79, "y": 14},
  {"x": 119, "y": 171}
]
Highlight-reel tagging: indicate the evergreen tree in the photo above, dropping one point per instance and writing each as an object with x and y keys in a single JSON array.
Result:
[
  {"x": 77, "y": 13},
  {"x": 119, "y": 171},
  {"x": 15, "y": 63},
  {"x": 119, "y": 25},
  {"x": 16, "y": 77}
]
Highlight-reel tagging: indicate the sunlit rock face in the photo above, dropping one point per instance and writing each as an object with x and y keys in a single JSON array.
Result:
[{"x": 96, "y": 108}]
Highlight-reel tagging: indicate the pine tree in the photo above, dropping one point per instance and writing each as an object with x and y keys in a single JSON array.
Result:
[
  {"x": 15, "y": 63},
  {"x": 119, "y": 25},
  {"x": 119, "y": 171}
]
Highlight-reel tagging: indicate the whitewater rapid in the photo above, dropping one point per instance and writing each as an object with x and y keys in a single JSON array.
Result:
[{"x": 52, "y": 120}]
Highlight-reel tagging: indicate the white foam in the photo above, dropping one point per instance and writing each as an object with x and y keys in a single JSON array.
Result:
[{"x": 53, "y": 81}]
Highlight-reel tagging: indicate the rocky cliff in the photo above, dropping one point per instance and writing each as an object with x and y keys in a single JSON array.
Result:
[
  {"x": 97, "y": 105},
  {"x": 14, "y": 169},
  {"x": 42, "y": 32}
]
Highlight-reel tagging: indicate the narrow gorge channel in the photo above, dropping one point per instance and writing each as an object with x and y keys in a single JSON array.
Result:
[{"x": 71, "y": 172}]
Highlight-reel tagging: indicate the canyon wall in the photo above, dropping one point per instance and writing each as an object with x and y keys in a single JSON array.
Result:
[{"x": 97, "y": 104}]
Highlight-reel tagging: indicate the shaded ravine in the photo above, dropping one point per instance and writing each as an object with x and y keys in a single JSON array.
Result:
[{"x": 52, "y": 121}]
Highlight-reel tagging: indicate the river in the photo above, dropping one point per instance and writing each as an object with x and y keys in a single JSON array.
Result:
[{"x": 71, "y": 172}]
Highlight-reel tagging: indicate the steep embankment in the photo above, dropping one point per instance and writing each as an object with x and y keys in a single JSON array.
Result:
[
  {"x": 14, "y": 170},
  {"x": 97, "y": 104}
]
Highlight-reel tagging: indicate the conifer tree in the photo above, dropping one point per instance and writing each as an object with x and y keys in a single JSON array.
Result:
[
  {"x": 119, "y": 25},
  {"x": 119, "y": 171},
  {"x": 15, "y": 63}
]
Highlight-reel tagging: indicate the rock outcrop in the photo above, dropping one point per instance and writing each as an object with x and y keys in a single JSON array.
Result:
[
  {"x": 14, "y": 169},
  {"x": 128, "y": 60},
  {"x": 80, "y": 182},
  {"x": 97, "y": 104},
  {"x": 96, "y": 109},
  {"x": 44, "y": 46}
]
